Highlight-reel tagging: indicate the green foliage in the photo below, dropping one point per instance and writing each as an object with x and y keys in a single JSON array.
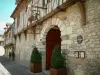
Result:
[
  {"x": 36, "y": 56},
  {"x": 57, "y": 60}
]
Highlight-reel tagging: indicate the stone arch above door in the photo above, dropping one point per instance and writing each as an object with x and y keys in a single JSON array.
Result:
[
  {"x": 64, "y": 28},
  {"x": 50, "y": 23}
]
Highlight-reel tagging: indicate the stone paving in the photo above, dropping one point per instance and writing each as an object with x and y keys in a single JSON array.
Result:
[{"x": 15, "y": 68}]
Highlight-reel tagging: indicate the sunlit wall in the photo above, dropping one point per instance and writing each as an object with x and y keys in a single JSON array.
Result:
[{"x": 2, "y": 51}]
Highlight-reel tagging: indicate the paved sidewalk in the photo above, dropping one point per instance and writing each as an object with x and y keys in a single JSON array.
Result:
[
  {"x": 3, "y": 71},
  {"x": 14, "y": 68}
]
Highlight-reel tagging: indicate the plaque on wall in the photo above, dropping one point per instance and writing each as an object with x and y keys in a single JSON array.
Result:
[
  {"x": 79, "y": 39},
  {"x": 79, "y": 54},
  {"x": 82, "y": 54},
  {"x": 76, "y": 53}
]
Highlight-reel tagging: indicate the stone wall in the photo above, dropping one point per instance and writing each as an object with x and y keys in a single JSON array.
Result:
[
  {"x": 91, "y": 30},
  {"x": 71, "y": 26},
  {"x": 24, "y": 48}
]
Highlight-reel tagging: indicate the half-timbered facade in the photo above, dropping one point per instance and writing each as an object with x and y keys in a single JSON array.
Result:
[{"x": 73, "y": 24}]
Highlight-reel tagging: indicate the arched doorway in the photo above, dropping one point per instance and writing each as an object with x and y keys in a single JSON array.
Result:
[{"x": 52, "y": 39}]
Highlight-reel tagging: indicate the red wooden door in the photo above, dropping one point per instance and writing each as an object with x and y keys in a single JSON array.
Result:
[{"x": 52, "y": 39}]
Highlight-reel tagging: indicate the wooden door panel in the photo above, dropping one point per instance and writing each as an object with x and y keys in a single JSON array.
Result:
[{"x": 52, "y": 39}]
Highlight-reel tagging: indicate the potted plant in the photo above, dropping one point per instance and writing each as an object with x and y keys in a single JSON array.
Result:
[
  {"x": 58, "y": 65},
  {"x": 35, "y": 62}
]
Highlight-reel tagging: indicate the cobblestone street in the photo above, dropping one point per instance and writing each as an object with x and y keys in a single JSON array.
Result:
[{"x": 15, "y": 68}]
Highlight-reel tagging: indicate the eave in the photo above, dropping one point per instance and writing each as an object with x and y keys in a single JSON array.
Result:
[{"x": 18, "y": 8}]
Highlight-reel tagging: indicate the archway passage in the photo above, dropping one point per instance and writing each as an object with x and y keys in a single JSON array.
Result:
[{"x": 52, "y": 39}]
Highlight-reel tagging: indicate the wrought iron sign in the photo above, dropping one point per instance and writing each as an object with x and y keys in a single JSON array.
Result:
[
  {"x": 35, "y": 10},
  {"x": 35, "y": 14},
  {"x": 79, "y": 39}
]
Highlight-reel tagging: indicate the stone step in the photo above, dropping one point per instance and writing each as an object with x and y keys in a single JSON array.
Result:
[{"x": 47, "y": 72}]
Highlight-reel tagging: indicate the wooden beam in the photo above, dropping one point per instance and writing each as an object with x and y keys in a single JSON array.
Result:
[{"x": 38, "y": 7}]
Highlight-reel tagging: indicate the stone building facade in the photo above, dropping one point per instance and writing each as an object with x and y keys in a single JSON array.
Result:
[
  {"x": 77, "y": 22},
  {"x": 9, "y": 42}
]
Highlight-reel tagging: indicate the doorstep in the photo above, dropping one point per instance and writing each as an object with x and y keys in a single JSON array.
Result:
[{"x": 47, "y": 72}]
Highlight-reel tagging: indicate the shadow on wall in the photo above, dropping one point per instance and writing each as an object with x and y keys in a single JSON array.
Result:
[{"x": 2, "y": 51}]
